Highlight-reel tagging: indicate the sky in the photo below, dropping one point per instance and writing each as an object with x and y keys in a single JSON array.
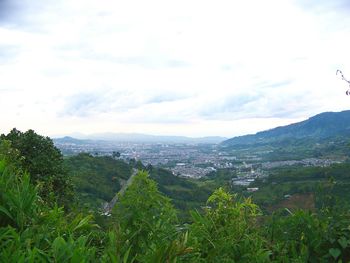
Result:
[{"x": 184, "y": 67}]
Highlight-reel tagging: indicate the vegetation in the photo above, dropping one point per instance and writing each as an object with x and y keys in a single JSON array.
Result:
[
  {"x": 306, "y": 182},
  {"x": 325, "y": 135},
  {"x": 96, "y": 179},
  {"x": 146, "y": 219},
  {"x": 322, "y": 126},
  {"x": 42, "y": 160},
  {"x": 144, "y": 226},
  {"x": 186, "y": 194}
]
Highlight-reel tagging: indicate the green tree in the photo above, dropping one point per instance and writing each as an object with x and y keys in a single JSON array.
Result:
[
  {"x": 115, "y": 154},
  {"x": 145, "y": 217},
  {"x": 10, "y": 155},
  {"x": 96, "y": 178},
  {"x": 44, "y": 162},
  {"x": 227, "y": 232}
]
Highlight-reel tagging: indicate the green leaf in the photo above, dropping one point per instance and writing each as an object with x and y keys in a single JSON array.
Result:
[
  {"x": 334, "y": 252},
  {"x": 84, "y": 222},
  {"x": 2, "y": 165},
  {"x": 6, "y": 212},
  {"x": 126, "y": 255},
  {"x": 343, "y": 242}
]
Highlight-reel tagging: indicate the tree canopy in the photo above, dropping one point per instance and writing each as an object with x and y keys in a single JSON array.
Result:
[{"x": 38, "y": 156}]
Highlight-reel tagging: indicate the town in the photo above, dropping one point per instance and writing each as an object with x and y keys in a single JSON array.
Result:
[{"x": 188, "y": 159}]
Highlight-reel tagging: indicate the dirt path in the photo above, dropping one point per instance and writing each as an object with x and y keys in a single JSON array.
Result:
[{"x": 109, "y": 206}]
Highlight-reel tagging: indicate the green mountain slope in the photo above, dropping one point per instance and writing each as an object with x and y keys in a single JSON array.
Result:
[
  {"x": 96, "y": 179},
  {"x": 322, "y": 126},
  {"x": 186, "y": 194}
]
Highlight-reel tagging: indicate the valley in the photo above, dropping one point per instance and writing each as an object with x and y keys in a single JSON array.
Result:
[
  {"x": 188, "y": 187},
  {"x": 269, "y": 168},
  {"x": 197, "y": 160}
]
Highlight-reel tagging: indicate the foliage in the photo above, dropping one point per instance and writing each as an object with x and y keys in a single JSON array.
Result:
[
  {"x": 186, "y": 194},
  {"x": 30, "y": 231},
  {"x": 310, "y": 237},
  {"x": 312, "y": 181},
  {"x": 38, "y": 156},
  {"x": 96, "y": 179},
  {"x": 18, "y": 203},
  {"x": 145, "y": 217},
  {"x": 10, "y": 155},
  {"x": 297, "y": 236},
  {"x": 227, "y": 232}
]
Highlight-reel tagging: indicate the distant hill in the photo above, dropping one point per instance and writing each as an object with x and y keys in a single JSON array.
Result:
[
  {"x": 319, "y": 127},
  {"x": 136, "y": 137},
  {"x": 71, "y": 140}
]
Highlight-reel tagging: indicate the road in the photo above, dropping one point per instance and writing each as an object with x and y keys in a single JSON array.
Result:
[{"x": 109, "y": 206}]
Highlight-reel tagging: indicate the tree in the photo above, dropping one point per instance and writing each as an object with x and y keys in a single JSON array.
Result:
[
  {"x": 227, "y": 232},
  {"x": 115, "y": 154},
  {"x": 44, "y": 162},
  {"x": 146, "y": 218}
]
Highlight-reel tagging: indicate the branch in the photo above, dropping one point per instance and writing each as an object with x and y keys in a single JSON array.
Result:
[{"x": 343, "y": 78}]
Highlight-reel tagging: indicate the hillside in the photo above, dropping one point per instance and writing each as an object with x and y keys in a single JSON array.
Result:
[
  {"x": 96, "y": 179},
  {"x": 317, "y": 128},
  {"x": 71, "y": 140}
]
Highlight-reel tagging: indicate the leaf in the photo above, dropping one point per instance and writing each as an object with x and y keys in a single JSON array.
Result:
[
  {"x": 126, "y": 255},
  {"x": 2, "y": 165},
  {"x": 6, "y": 212},
  {"x": 334, "y": 252},
  {"x": 58, "y": 243},
  {"x": 343, "y": 242},
  {"x": 84, "y": 222}
]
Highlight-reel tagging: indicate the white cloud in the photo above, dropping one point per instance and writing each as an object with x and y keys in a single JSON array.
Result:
[{"x": 171, "y": 67}]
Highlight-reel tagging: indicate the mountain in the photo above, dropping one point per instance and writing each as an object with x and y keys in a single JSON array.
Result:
[
  {"x": 322, "y": 126},
  {"x": 136, "y": 137},
  {"x": 71, "y": 140}
]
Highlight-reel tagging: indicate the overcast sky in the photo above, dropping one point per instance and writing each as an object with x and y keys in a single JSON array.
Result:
[{"x": 183, "y": 67}]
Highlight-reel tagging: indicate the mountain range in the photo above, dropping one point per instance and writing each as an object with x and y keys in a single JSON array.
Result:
[
  {"x": 137, "y": 137},
  {"x": 322, "y": 126},
  {"x": 319, "y": 127}
]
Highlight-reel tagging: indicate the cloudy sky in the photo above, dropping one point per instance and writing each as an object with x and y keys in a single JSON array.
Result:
[{"x": 183, "y": 67}]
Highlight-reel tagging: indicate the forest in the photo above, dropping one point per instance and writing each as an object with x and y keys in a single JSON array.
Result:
[{"x": 49, "y": 212}]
